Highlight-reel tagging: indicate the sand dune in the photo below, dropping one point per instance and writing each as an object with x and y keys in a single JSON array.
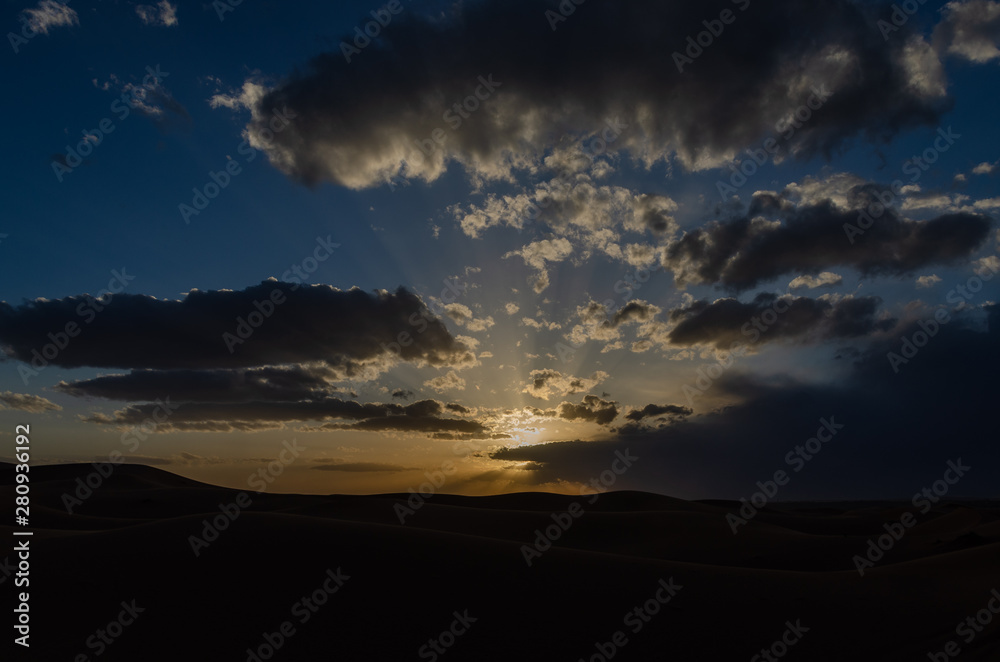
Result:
[{"x": 462, "y": 558}]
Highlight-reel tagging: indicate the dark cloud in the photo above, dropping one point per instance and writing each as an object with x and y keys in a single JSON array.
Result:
[
  {"x": 350, "y": 331},
  {"x": 263, "y": 415},
  {"x": 402, "y": 394},
  {"x": 357, "y": 123},
  {"x": 281, "y": 384},
  {"x": 633, "y": 311},
  {"x": 777, "y": 237},
  {"x": 601, "y": 324},
  {"x": 197, "y": 426},
  {"x": 651, "y": 417},
  {"x": 411, "y": 424},
  {"x": 457, "y": 408},
  {"x": 592, "y": 409},
  {"x": 650, "y": 411},
  {"x": 423, "y": 408},
  {"x": 723, "y": 322},
  {"x": 900, "y": 427}
]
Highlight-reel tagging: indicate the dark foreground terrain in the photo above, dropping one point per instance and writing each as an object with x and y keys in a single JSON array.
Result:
[{"x": 346, "y": 581}]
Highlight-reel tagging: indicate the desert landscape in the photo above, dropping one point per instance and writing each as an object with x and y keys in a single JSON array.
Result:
[{"x": 400, "y": 586}]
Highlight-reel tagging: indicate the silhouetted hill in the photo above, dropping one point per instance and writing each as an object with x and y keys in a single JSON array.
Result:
[{"x": 131, "y": 540}]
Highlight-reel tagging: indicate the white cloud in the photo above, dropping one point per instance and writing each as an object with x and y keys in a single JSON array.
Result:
[
  {"x": 582, "y": 216},
  {"x": 990, "y": 263},
  {"x": 446, "y": 382},
  {"x": 835, "y": 187},
  {"x": 462, "y": 315},
  {"x": 989, "y": 203},
  {"x": 640, "y": 255},
  {"x": 925, "y": 282},
  {"x": 985, "y": 168},
  {"x": 247, "y": 97},
  {"x": 538, "y": 253},
  {"x": 50, "y": 14},
  {"x": 942, "y": 201},
  {"x": 546, "y": 384},
  {"x": 469, "y": 342},
  {"x": 536, "y": 324},
  {"x": 570, "y": 206},
  {"x": 598, "y": 323},
  {"x": 33, "y": 404},
  {"x": 163, "y": 14},
  {"x": 970, "y": 30},
  {"x": 825, "y": 279}
]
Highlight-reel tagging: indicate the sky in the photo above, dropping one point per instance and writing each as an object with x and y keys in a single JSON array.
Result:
[{"x": 500, "y": 245}]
